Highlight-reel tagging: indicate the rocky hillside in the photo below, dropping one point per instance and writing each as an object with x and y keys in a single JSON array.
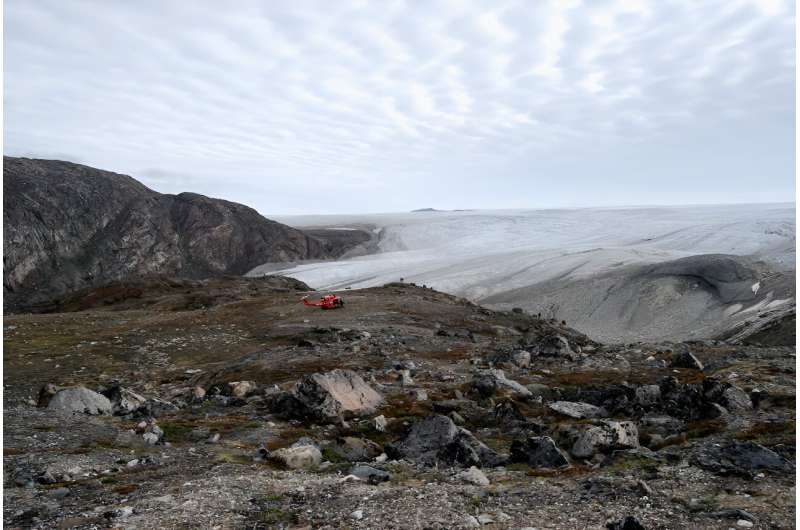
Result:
[
  {"x": 68, "y": 226},
  {"x": 406, "y": 408}
]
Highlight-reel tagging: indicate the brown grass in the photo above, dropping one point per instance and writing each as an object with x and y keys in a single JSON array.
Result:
[{"x": 125, "y": 489}]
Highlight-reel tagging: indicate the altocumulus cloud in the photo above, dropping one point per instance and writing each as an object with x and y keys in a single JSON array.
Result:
[{"x": 300, "y": 107}]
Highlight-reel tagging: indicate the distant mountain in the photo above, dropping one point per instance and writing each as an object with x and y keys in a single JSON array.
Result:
[
  {"x": 69, "y": 226},
  {"x": 425, "y": 210}
]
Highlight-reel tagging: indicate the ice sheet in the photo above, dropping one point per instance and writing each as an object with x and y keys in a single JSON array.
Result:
[{"x": 479, "y": 253}]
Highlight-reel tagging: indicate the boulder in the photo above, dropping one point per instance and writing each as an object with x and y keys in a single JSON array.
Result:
[
  {"x": 473, "y": 475},
  {"x": 490, "y": 382},
  {"x": 419, "y": 394},
  {"x": 604, "y": 437},
  {"x": 123, "y": 401},
  {"x": 330, "y": 396},
  {"x": 553, "y": 346},
  {"x": 379, "y": 423},
  {"x": 241, "y": 389},
  {"x": 370, "y": 474},
  {"x": 518, "y": 358},
  {"x": 739, "y": 458},
  {"x": 155, "y": 407},
  {"x": 538, "y": 452},
  {"x": 733, "y": 398},
  {"x": 521, "y": 358},
  {"x": 437, "y": 439},
  {"x": 648, "y": 395},
  {"x": 577, "y": 410},
  {"x": 507, "y": 412},
  {"x": 79, "y": 400},
  {"x": 197, "y": 394},
  {"x": 405, "y": 378},
  {"x": 736, "y": 400},
  {"x": 686, "y": 360},
  {"x": 662, "y": 425},
  {"x": 303, "y": 454},
  {"x": 355, "y": 449},
  {"x": 46, "y": 393}
]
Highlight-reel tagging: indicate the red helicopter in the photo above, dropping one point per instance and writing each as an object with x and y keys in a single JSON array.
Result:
[{"x": 328, "y": 301}]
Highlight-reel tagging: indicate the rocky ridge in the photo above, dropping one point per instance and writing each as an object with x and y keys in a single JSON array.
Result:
[{"x": 69, "y": 226}]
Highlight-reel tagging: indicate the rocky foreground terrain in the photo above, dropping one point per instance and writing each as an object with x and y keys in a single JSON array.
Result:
[
  {"x": 67, "y": 226},
  {"x": 228, "y": 404}
]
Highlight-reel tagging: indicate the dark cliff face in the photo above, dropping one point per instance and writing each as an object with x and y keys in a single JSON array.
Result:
[{"x": 68, "y": 226}]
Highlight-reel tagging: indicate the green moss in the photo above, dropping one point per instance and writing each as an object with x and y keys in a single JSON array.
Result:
[
  {"x": 175, "y": 431},
  {"x": 475, "y": 501},
  {"x": 234, "y": 458},
  {"x": 330, "y": 454}
]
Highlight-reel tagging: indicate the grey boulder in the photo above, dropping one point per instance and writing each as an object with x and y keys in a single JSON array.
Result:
[
  {"x": 303, "y": 454},
  {"x": 602, "y": 437},
  {"x": 123, "y": 400},
  {"x": 437, "y": 439},
  {"x": 328, "y": 396},
  {"x": 577, "y": 410},
  {"x": 739, "y": 458},
  {"x": 553, "y": 346},
  {"x": 490, "y": 382},
  {"x": 686, "y": 360},
  {"x": 538, "y": 452},
  {"x": 370, "y": 474},
  {"x": 79, "y": 400}
]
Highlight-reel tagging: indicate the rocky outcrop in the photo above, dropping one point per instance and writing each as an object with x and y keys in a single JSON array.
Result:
[
  {"x": 437, "y": 439},
  {"x": 68, "y": 226},
  {"x": 300, "y": 455},
  {"x": 579, "y": 411},
  {"x": 538, "y": 452},
  {"x": 603, "y": 437},
  {"x": 739, "y": 458},
  {"x": 123, "y": 401},
  {"x": 489, "y": 382},
  {"x": 334, "y": 395},
  {"x": 687, "y": 360},
  {"x": 79, "y": 400}
]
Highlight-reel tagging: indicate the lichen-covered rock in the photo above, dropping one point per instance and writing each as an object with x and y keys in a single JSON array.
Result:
[
  {"x": 579, "y": 411},
  {"x": 241, "y": 389},
  {"x": 662, "y": 425},
  {"x": 437, "y": 439},
  {"x": 355, "y": 449},
  {"x": 370, "y": 474},
  {"x": 739, "y": 458},
  {"x": 489, "y": 382},
  {"x": 123, "y": 400},
  {"x": 303, "y": 454},
  {"x": 538, "y": 452},
  {"x": 553, "y": 346},
  {"x": 602, "y": 437},
  {"x": 647, "y": 395},
  {"x": 79, "y": 400},
  {"x": 473, "y": 475},
  {"x": 335, "y": 394}
]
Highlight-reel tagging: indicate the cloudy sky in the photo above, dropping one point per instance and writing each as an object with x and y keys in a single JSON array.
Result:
[{"x": 384, "y": 105}]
